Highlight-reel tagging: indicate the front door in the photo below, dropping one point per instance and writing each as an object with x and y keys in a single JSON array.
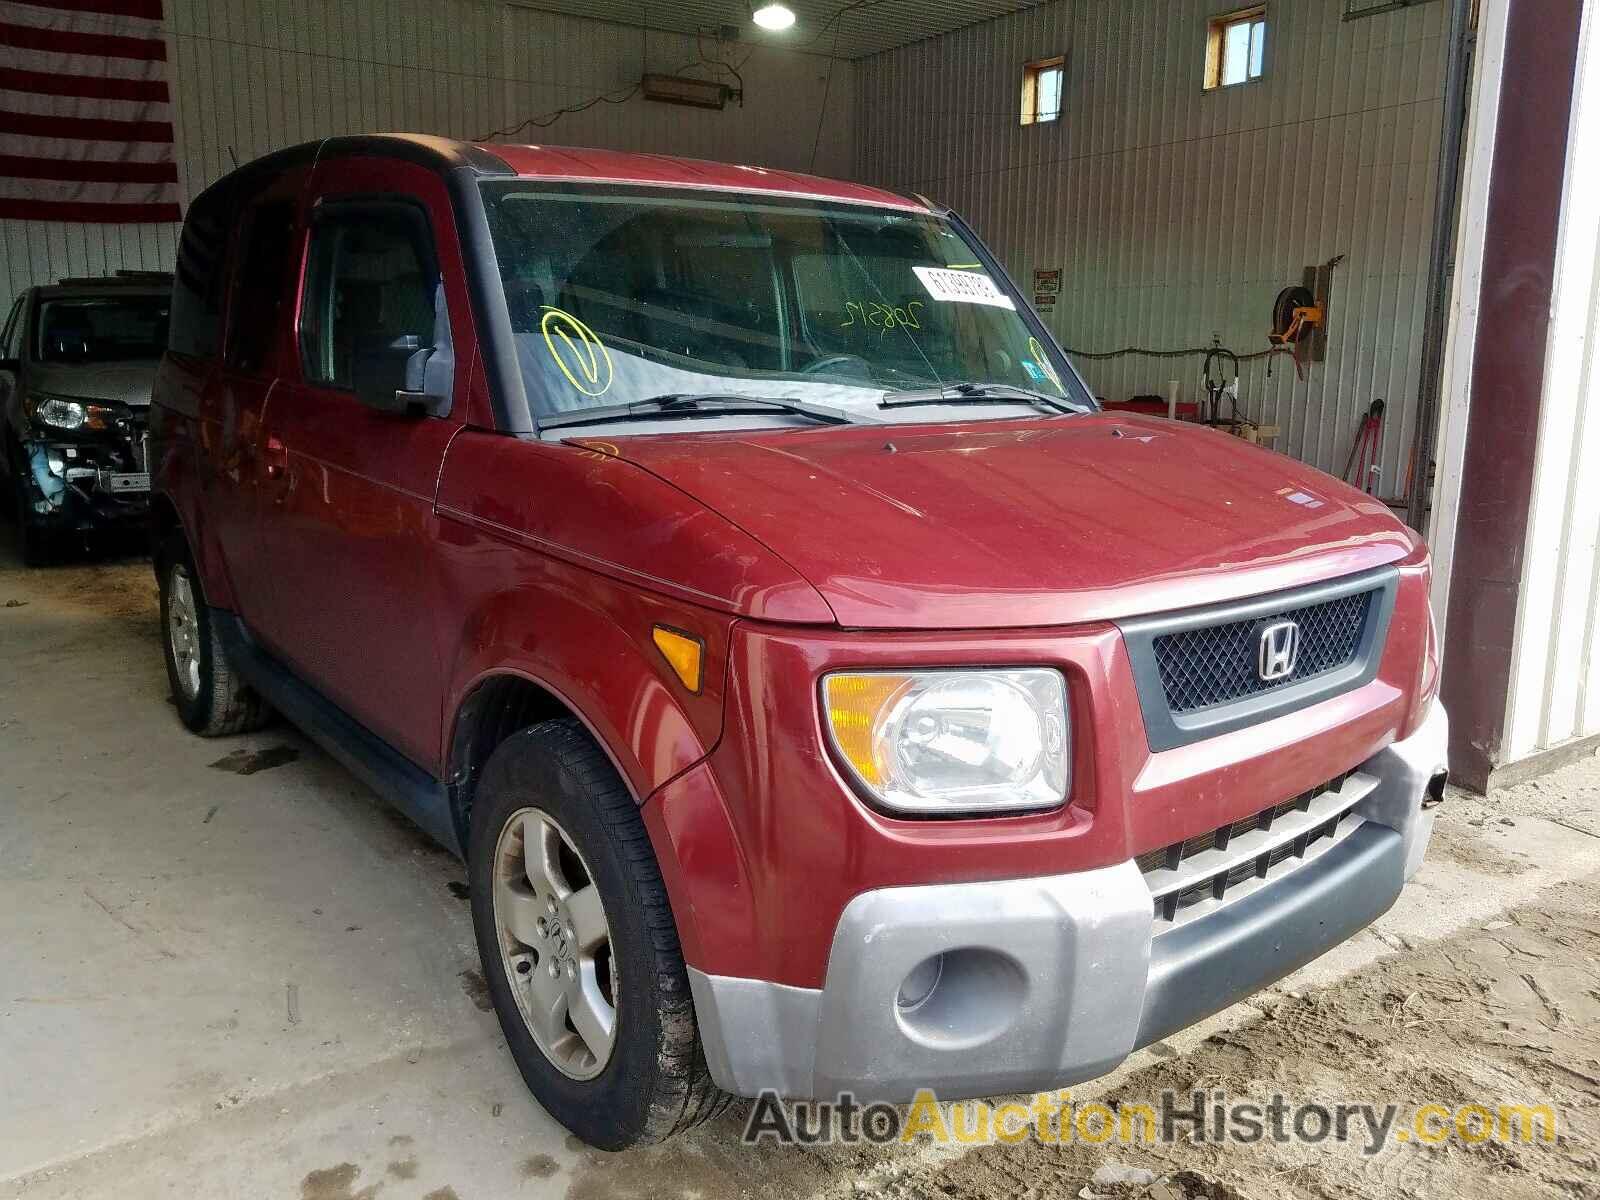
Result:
[{"x": 348, "y": 499}]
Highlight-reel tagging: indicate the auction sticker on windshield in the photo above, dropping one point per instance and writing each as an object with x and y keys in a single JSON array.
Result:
[{"x": 962, "y": 287}]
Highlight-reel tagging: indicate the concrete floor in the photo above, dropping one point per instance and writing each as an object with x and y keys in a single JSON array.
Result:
[{"x": 221, "y": 984}]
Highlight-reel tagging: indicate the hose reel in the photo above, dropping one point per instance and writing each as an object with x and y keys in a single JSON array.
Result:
[{"x": 1295, "y": 315}]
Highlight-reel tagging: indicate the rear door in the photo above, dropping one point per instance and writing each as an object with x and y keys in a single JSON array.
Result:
[
  {"x": 257, "y": 343},
  {"x": 347, "y": 517}
]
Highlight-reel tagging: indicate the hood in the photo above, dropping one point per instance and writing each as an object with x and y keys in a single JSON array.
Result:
[
  {"x": 1027, "y": 523},
  {"x": 123, "y": 382}
]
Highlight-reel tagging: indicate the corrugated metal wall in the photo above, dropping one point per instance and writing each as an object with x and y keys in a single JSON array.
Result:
[
  {"x": 556, "y": 59},
  {"x": 249, "y": 76},
  {"x": 1555, "y": 675},
  {"x": 1177, "y": 214}
]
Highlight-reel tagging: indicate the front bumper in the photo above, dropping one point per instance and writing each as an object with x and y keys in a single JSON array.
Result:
[
  {"x": 85, "y": 485},
  {"x": 1050, "y": 981}
]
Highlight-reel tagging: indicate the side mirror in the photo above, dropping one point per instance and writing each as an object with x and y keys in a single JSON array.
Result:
[
  {"x": 382, "y": 375},
  {"x": 378, "y": 368},
  {"x": 430, "y": 377}
]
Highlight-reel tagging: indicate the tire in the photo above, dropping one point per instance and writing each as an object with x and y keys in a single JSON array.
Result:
[
  {"x": 36, "y": 547},
  {"x": 653, "y": 1081},
  {"x": 211, "y": 697}
]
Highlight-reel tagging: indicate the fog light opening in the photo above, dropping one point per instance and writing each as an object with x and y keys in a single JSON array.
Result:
[
  {"x": 961, "y": 999},
  {"x": 920, "y": 983}
]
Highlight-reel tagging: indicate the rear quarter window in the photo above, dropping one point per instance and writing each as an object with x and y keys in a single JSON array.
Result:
[
  {"x": 197, "y": 290},
  {"x": 11, "y": 337}
]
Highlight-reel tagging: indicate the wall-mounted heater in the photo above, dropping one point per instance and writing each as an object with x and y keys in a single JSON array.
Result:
[{"x": 680, "y": 89}]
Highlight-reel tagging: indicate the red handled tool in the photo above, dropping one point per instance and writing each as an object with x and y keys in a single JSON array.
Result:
[{"x": 1363, "y": 458}]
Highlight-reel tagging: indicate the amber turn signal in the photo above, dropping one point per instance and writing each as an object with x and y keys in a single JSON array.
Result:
[{"x": 684, "y": 654}]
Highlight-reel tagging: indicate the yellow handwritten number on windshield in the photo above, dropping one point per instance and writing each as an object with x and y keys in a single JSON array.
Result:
[{"x": 578, "y": 351}]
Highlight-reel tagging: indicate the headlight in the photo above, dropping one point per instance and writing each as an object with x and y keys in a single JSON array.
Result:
[
  {"x": 951, "y": 742},
  {"x": 64, "y": 413}
]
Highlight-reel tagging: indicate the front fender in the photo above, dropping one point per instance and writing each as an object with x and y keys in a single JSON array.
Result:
[{"x": 586, "y": 640}]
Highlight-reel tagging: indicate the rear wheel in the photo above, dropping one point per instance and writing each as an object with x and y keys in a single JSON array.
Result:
[
  {"x": 578, "y": 944},
  {"x": 211, "y": 697}
]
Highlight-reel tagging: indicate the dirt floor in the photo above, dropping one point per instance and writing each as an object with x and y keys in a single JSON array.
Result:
[{"x": 226, "y": 970}]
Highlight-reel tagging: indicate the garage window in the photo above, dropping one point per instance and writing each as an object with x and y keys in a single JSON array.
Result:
[
  {"x": 1236, "y": 47},
  {"x": 1042, "y": 84}
]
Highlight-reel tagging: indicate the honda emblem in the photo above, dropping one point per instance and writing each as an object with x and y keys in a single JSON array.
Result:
[{"x": 1277, "y": 651}]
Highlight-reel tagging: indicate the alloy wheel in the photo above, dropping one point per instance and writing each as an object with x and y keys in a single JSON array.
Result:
[
  {"x": 555, "y": 943},
  {"x": 183, "y": 634}
]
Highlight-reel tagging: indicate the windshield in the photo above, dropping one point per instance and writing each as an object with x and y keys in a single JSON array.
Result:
[
  {"x": 96, "y": 329},
  {"x": 618, "y": 295}
]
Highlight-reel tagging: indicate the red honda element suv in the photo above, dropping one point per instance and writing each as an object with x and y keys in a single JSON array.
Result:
[{"x": 823, "y": 693}]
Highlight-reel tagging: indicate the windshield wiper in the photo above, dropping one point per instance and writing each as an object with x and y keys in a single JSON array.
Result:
[
  {"x": 977, "y": 393},
  {"x": 694, "y": 404}
]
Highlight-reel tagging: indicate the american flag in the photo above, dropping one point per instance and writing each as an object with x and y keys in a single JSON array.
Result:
[{"x": 85, "y": 114}]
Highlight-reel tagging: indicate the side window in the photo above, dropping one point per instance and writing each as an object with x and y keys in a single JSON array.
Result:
[
  {"x": 258, "y": 289},
  {"x": 196, "y": 327},
  {"x": 372, "y": 315},
  {"x": 11, "y": 339}
]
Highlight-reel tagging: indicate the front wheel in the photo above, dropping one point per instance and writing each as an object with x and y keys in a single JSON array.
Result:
[{"x": 578, "y": 944}]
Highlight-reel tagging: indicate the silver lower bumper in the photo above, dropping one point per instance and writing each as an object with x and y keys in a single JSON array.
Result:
[{"x": 1050, "y": 981}]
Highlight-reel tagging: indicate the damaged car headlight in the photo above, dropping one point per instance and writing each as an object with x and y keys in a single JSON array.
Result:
[
  {"x": 63, "y": 412},
  {"x": 941, "y": 743}
]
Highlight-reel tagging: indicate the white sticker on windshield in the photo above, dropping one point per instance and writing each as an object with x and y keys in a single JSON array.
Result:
[{"x": 962, "y": 287}]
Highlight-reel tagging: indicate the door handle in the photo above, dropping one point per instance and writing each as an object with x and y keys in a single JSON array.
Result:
[{"x": 274, "y": 458}]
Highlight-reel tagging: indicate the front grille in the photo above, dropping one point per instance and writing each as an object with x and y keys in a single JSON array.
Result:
[
  {"x": 1225, "y": 863},
  {"x": 1216, "y": 664},
  {"x": 1218, "y": 839}
]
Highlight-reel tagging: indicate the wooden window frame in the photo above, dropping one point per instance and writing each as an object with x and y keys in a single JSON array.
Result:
[
  {"x": 1030, "y": 89},
  {"x": 1216, "y": 34}
]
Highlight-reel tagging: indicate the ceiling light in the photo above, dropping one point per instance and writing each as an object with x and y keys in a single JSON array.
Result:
[{"x": 773, "y": 16}]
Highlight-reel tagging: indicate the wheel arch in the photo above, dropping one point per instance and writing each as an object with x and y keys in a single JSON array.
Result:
[
  {"x": 164, "y": 521},
  {"x": 497, "y": 705}
]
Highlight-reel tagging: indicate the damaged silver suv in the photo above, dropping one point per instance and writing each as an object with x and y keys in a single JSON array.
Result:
[{"x": 77, "y": 361}]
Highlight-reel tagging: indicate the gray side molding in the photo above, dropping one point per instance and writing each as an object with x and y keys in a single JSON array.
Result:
[{"x": 756, "y": 1034}]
